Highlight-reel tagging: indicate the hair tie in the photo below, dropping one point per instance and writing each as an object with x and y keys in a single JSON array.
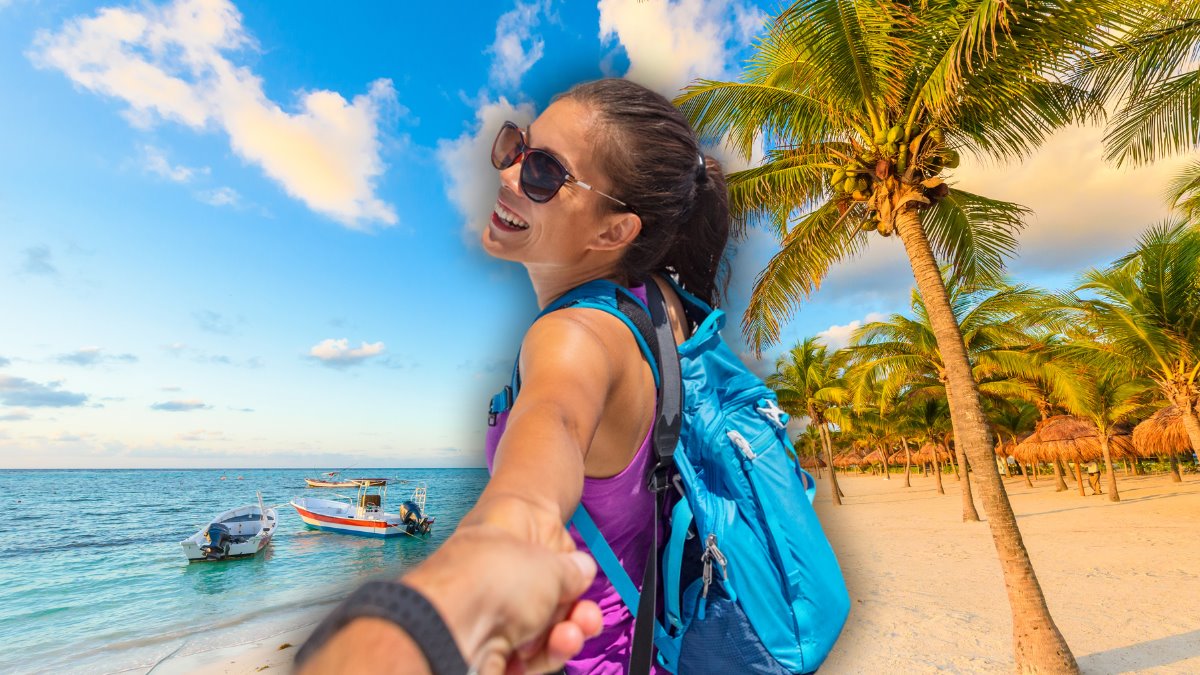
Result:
[{"x": 701, "y": 170}]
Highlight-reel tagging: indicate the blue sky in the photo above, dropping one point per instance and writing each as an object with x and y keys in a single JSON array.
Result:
[{"x": 238, "y": 234}]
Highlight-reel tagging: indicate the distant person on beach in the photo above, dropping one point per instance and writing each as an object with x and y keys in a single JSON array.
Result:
[
  {"x": 609, "y": 182},
  {"x": 1093, "y": 472}
]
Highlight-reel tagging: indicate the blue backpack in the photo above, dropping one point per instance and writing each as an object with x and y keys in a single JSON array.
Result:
[{"x": 750, "y": 584}]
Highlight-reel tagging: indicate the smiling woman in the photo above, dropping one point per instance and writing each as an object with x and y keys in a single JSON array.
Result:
[{"x": 608, "y": 184}]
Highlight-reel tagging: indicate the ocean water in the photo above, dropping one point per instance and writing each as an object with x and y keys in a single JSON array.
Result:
[{"x": 93, "y": 580}]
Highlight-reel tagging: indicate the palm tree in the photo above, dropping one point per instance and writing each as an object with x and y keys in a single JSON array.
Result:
[
  {"x": 1149, "y": 74},
  {"x": 1113, "y": 399},
  {"x": 903, "y": 352},
  {"x": 1146, "y": 311},
  {"x": 863, "y": 105},
  {"x": 808, "y": 384},
  {"x": 1012, "y": 419}
]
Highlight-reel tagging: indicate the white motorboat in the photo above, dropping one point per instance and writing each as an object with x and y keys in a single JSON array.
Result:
[
  {"x": 236, "y": 533},
  {"x": 365, "y": 516}
]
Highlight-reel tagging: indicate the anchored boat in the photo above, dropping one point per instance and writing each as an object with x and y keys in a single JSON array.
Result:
[
  {"x": 236, "y": 533},
  {"x": 365, "y": 515},
  {"x": 330, "y": 480}
]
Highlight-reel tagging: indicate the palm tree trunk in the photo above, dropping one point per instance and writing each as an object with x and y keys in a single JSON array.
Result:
[
  {"x": 1059, "y": 483},
  {"x": 887, "y": 475},
  {"x": 1037, "y": 642},
  {"x": 1062, "y": 466},
  {"x": 970, "y": 515},
  {"x": 1108, "y": 467},
  {"x": 1191, "y": 423},
  {"x": 1079, "y": 476},
  {"x": 954, "y": 464},
  {"x": 907, "y": 463},
  {"x": 1028, "y": 469},
  {"x": 937, "y": 473},
  {"x": 1175, "y": 476},
  {"x": 833, "y": 483}
]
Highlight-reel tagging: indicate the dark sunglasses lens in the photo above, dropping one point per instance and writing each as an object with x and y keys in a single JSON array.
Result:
[
  {"x": 541, "y": 176},
  {"x": 507, "y": 147}
]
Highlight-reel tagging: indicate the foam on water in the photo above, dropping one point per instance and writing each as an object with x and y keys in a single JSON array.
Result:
[{"x": 92, "y": 577}]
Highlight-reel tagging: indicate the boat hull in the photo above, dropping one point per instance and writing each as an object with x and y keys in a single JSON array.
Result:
[
  {"x": 253, "y": 525},
  {"x": 331, "y": 516}
]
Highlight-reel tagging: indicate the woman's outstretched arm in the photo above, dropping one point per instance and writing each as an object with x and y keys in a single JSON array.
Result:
[{"x": 567, "y": 377}]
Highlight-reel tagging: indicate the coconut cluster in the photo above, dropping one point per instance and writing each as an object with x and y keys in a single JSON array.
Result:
[{"x": 914, "y": 159}]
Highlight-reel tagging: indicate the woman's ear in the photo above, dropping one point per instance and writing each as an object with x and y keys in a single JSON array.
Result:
[{"x": 617, "y": 231}]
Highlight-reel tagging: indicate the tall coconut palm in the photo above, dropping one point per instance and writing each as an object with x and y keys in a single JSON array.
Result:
[
  {"x": 808, "y": 384},
  {"x": 1146, "y": 311},
  {"x": 863, "y": 105}
]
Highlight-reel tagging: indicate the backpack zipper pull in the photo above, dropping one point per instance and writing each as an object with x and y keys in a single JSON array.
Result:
[
  {"x": 742, "y": 444},
  {"x": 768, "y": 408},
  {"x": 711, "y": 553}
]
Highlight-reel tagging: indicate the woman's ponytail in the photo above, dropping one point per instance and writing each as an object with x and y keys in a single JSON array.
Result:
[{"x": 697, "y": 253}]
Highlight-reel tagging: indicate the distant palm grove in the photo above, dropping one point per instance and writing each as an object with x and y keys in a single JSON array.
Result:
[{"x": 865, "y": 108}]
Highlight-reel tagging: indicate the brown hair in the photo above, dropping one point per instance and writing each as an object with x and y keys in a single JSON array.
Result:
[{"x": 657, "y": 167}]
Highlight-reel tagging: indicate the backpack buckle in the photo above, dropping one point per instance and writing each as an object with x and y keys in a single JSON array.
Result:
[{"x": 660, "y": 479}]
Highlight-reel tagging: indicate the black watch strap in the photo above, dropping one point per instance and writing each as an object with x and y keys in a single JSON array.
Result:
[{"x": 403, "y": 606}]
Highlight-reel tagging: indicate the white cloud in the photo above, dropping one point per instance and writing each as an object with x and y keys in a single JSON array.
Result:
[
  {"x": 339, "y": 353},
  {"x": 170, "y": 63},
  {"x": 222, "y": 196},
  {"x": 1086, "y": 211},
  {"x": 671, "y": 43},
  {"x": 180, "y": 405},
  {"x": 472, "y": 183},
  {"x": 37, "y": 261},
  {"x": 155, "y": 161},
  {"x": 836, "y": 337},
  {"x": 90, "y": 356},
  {"x": 517, "y": 47}
]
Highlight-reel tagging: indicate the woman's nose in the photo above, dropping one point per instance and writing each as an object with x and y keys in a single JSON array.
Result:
[{"x": 511, "y": 177}]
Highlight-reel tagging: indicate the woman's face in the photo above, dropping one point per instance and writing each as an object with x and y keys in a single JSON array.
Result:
[{"x": 562, "y": 230}]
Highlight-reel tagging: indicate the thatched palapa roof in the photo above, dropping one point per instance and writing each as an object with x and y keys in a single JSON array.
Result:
[
  {"x": 929, "y": 451},
  {"x": 1162, "y": 434},
  {"x": 1071, "y": 438}
]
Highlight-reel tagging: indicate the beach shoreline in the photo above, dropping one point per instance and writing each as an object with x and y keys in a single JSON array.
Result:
[{"x": 927, "y": 593}]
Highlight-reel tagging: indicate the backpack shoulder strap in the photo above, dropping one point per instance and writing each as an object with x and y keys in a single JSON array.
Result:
[{"x": 616, "y": 300}]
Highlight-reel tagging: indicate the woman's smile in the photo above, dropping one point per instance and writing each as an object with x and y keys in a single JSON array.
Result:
[{"x": 507, "y": 220}]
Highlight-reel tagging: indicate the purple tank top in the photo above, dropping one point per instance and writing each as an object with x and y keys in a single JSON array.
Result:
[{"x": 623, "y": 509}]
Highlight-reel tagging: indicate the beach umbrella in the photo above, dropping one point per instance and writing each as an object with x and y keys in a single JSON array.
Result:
[
  {"x": 929, "y": 452},
  {"x": 1072, "y": 438},
  {"x": 812, "y": 462},
  {"x": 845, "y": 460},
  {"x": 1162, "y": 434}
]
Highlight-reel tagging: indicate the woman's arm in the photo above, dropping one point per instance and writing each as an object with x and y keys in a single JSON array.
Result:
[{"x": 567, "y": 376}]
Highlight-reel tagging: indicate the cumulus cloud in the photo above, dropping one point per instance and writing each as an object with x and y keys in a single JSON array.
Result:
[
  {"x": 517, "y": 47},
  {"x": 471, "y": 181},
  {"x": 18, "y": 391},
  {"x": 1086, "y": 211},
  {"x": 90, "y": 356},
  {"x": 670, "y": 43},
  {"x": 836, "y": 337},
  {"x": 37, "y": 261},
  {"x": 180, "y": 405},
  {"x": 174, "y": 63},
  {"x": 155, "y": 161},
  {"x": 339, "y": 353},
  {"x": 16, "y": 416},
  {"x": 4, "y": 362}
]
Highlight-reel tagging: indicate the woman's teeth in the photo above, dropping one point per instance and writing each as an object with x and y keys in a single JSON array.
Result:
[{"x": 510, "y": 218}]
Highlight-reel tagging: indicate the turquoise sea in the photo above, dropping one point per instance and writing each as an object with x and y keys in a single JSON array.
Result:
[{"x": 92, "y": 578}]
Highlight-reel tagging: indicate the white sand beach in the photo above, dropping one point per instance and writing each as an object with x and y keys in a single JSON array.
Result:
[{"x": 927, "y": 595}]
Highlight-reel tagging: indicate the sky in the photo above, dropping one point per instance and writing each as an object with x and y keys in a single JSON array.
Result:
[{"x": 234, "y": 235}]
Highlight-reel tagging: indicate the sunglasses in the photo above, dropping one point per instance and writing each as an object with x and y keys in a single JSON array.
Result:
[{"x": 542, "y": 175}]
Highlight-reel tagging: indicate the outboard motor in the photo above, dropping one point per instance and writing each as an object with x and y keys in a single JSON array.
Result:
[
  {"x": 218, "y": 540},
  {"x": 415, "y": 522}
]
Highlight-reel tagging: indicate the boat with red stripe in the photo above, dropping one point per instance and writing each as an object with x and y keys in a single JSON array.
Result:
[{"x": 364, "y": 516}]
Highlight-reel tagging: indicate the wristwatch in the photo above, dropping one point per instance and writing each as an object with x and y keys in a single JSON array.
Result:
[{"x": 402, "y": 605}]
